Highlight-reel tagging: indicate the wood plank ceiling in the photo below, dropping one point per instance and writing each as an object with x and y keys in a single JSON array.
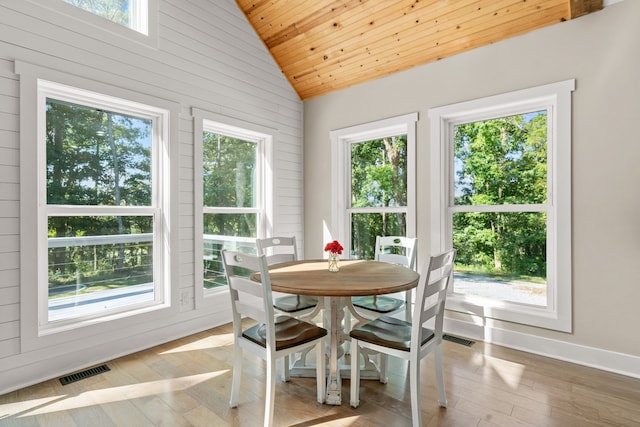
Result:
[{"x": 326, "y": 45}]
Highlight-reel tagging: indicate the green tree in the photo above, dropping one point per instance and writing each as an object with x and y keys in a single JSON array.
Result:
[
  {"x": 95, "y": 158},
  {"x": 229, "y": 168},
  {"x": 378, "y": 179},
  {"x": 501, "y": 161}
]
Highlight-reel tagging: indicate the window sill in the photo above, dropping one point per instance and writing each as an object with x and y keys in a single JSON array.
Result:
[{"x": 542, "y": 317}]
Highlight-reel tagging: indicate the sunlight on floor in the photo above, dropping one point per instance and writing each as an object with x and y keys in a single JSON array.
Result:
[
  {"x": 106, "y": 395},
  {"x": 197, "y": 345},
  {"x": 205, "y": 343},
  {"x": 509, "y": 372},
  {"x": 26, "y": 405}
]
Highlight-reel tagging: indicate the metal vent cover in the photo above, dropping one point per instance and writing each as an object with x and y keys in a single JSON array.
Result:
[
  {"x": 84, "y": 374},
  {"x": 458, "y": 340}
]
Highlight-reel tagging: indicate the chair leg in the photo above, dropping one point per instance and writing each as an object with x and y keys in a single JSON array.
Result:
[
  {"x": 285, "y": 368},
  {"x": 236, "y": 376},
  {"x": 355, "y": 374},
  {"x": 271, "y": 391},
  {"x": 384, "y": 365},
  {"x": 414, "y": 387},
  {"x": 442, "y": 397},
  {"x": 321, "y": 375}
]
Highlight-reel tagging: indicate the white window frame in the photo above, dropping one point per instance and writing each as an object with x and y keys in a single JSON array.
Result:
[
  {"x": 555, "y": 98},
  {"x": 205, "y": 121},
  {"x": 341, "y": 141},
  {"x": 139, "y": 16},
  {"x": 36, "y": 84},
  {"x": 143, "y": 29}
]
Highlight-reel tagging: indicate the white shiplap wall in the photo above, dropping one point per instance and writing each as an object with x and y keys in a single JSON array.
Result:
[{"x": 206, "y": 56}]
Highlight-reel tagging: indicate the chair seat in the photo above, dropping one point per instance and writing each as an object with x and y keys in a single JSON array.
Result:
[
  {"x": 293, "y": 303},
  {"x": 389, "y": 332},
  {"x": 380, "y": 303},
  {"x": 289, "y": 331}
]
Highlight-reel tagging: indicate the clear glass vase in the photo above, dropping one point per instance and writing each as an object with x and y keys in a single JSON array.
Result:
[{"x": 334, "y": 262}]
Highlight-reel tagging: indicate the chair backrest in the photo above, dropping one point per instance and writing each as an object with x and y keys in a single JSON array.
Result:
[
  {"x": 431, "y": 294},
  {"x": 249, "y": 298},
  {"x": 397, "y": 250},
  {"x": 278, "y": 249}
]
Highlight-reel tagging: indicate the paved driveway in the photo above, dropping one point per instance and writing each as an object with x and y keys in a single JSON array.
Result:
[{"x": 514, "y": 291}]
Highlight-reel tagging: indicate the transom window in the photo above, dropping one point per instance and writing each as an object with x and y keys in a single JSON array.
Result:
[
  {"x": 129, "y": 13},
  {"x": 502, "y": 167}
]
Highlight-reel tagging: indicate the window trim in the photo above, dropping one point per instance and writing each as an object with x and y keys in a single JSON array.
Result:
[
  {"x": 556, "y": 98},
  {"x": 32, "y": 336},
  {"x": 264, "y": 198},
  {"x": 159, "y": 118},
  {"x": 340, "y": 187}
]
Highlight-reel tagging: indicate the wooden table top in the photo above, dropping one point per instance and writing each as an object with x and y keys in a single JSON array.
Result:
[{"x": 355, "y": 278}]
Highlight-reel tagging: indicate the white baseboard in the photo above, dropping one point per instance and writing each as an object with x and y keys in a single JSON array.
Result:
[
  {"x": 30, "y": 374},
  {"x": 619, "y": 363}
]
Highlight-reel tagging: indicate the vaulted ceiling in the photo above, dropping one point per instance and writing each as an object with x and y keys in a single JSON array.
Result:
[{"x": 326, "y": 45}]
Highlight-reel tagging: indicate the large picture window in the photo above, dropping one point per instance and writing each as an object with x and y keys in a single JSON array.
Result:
[
  {"x": 499, "y": 210},
  {"x": 504, "y": 164},
  {"x": 101, "y": 209},
  {"x": 375, "y": 163}
]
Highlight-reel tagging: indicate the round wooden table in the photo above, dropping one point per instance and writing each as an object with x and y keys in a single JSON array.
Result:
[{"x": 355, "y": 278}]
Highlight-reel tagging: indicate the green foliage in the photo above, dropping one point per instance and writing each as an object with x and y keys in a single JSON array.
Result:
[
  {"x": 95, "y": 158},
  {"x": 378, "y": 180},
  {"x": 379, "y": 173},
  {"x": 229, "y": 181},
  {"x": 98, "y": 281},
  {"x": 501, "y": 161},
  {"x": 365, "y": 228}
]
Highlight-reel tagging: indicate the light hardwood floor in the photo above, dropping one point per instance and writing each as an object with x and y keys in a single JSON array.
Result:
[{"x": 187, "y": 383}]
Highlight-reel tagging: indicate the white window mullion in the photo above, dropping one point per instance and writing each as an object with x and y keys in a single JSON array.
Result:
[
  {"x": 392, "y": 209},
  {"x": 499, "y": 208},
  {"x": 221, "y": 210},
  {"x": 68, "y": 210}
]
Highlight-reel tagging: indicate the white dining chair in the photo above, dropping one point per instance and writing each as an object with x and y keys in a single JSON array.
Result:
[
  {"x": 397, "y": 250},
  {"x": 271, "y": 337},
  {"x": 283, "y": 249},
  {"x": 411, "y": 341}
]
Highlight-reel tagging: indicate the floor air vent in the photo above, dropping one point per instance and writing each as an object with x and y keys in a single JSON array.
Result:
[
  {"x": 458, "y": 340},
  {"x": 84, "y": 374}
]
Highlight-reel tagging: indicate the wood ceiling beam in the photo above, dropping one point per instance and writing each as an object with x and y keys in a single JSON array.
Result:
[{"x": 579, "y": 8}]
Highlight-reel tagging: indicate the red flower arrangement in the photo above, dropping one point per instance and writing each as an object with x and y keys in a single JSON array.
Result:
[{"x": 334, "y": 247}]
